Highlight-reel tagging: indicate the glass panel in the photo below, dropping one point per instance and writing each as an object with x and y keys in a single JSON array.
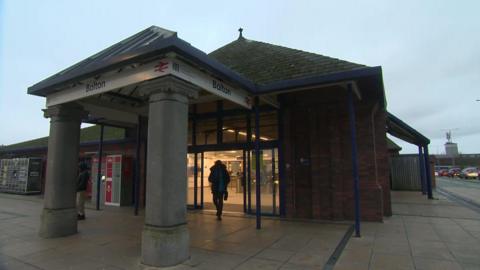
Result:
[
  {"x": 268, "y": 126},
  {"x": 206, "y": 131},
  {"x": 235, "y": 129},
  {"x": 269, "y": 183},
  {"x": 190, "y": 179}
]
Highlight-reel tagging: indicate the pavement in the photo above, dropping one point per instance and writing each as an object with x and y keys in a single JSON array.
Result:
[{"x": 422, "y": 234}]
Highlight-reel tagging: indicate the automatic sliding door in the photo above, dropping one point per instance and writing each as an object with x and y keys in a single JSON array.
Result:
[{"x": 233, "y": 160}]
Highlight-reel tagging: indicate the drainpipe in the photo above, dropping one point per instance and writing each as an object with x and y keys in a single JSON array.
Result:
[{"x": 353, "y": 138}]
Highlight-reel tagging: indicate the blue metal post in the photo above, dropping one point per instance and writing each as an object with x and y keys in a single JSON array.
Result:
[
  {"x": 244, "y": 180},
  {"x": 274, "y": 195},
  {"x": 258, "y": 204},
  {"x": 201, "y": 177},
  {"x": 281, "y": 162},
  {"x": 195, "y": 157},
  {"x": 99, "y": 166},
  {"x": 353, "y": 138},
  {"x": 428, "y": 172},
  {"x": 136, "y": 198},
  {"x": 249, "y": 163},
  {"x": 422, "y": 169}
]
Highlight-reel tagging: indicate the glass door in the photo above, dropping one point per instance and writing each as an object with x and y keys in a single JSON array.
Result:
[
  {"x": 234, "y": 161},
  {"x": 269, "y": 182}
]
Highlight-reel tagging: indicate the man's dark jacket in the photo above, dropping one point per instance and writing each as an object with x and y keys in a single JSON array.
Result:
[
  {"x": 82, "y": 180},
  {"x": 219, "y": 178}
]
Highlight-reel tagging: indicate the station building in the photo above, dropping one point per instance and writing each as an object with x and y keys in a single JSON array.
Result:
[{"x": 303, "y": 135}]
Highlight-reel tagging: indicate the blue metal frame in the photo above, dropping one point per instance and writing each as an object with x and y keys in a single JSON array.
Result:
[
  {"x": 281, "y": 161},
  {"x": 220, "y": 122},
  {"x": 428, "y": 172},
  {"x": 258, "y": 203},
  {"x": 353, "y": 139},
  {"x": 247, "y": 148},
  {"x": 244, "y": 180},
  {"x": 99, "y": 167},
  {"x": 195, "y": 157},
  {"x": 422, "y": 170},
  {"x": 274, "y": 191},
  {"x": 249, "y": 181},
  {"x": 201, "y": 182}
]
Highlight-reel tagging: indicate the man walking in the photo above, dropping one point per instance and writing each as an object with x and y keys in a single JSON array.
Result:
[
  {"x": 82, "y": 190},
  {"x": 219, "y": 179}
]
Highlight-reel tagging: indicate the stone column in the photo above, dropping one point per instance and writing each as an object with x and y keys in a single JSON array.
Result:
[
  {"x": 165, "y": 238},
  {"x": 59, "y": 217}
]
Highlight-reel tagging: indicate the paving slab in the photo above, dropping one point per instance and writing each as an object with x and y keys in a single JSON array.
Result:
[{"x": 111, "y": 239}]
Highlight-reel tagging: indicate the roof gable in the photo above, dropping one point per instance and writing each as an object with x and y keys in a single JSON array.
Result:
[
  {"x": 123, "y": 49},
  {"x": 88, "y": 134},
  {"x": 265, "y": 63}
]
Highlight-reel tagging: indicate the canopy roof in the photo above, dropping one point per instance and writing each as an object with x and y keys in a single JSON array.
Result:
[
  {"x": 401, "y": 130},
  {"x": 257, "y": 67}
]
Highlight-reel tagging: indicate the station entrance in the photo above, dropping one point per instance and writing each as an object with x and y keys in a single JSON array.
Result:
[{"x": 240, "y": 164}]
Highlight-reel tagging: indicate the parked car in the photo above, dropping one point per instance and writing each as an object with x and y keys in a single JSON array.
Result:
[
  {"x": 469, "y": 173},
  {"x": 443, "y": 172},
  {"x": 454, "y": 172}
]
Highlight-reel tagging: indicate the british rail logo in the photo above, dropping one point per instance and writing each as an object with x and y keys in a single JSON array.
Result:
[{"x": 161, "y": 67}]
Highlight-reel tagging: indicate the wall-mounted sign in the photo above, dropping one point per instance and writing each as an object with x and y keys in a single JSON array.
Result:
[{"x": 159, "y": 68}]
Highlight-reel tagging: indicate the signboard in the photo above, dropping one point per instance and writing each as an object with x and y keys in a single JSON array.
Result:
[
  {"x": 211, "y": 84},
  {"x": 152, "y": 70}
]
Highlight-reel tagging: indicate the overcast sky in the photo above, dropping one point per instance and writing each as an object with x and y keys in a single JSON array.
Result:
[{"x": 429, "y": 50}]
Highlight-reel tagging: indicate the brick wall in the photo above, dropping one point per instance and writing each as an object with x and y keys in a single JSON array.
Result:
[{"x": 319, "y": 181}]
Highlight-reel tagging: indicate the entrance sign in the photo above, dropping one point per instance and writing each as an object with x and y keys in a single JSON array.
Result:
[
  {"x": 109, "y": 82},
  {"x": 152, "y": 70},
  {"x": 211, "y": 84}
]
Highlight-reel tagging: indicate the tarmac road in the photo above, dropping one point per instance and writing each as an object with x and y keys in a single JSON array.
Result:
[{"x": 468, "y": 190}]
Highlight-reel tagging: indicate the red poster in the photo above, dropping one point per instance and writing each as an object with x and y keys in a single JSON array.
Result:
[{"x": 108, "y": 192}]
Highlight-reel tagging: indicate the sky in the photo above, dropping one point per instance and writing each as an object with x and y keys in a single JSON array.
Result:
[{"x": 429, "y": 51}]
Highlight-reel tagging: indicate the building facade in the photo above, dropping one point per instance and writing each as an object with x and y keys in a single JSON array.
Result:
[{"x": 303, "y": 135}]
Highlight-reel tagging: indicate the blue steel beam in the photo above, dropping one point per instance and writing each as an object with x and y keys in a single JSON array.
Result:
[
  {"x": 99, "y": 166},
  {"x": 422, "y": 169},
  {"x": 353, "y": 138},
  {"x": 281, "y": 163},
  {"x": 258, "y": 204},
  {"x": 428, "y": 172}
]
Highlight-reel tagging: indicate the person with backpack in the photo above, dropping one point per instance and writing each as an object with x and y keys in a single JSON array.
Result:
[
  {"x": 82, "y": 180},
  {"x": 219, "y": 179}
]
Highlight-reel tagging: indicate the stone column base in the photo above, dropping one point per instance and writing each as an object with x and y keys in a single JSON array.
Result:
[
  {"x": 165, "y": 246},
  {"x": 58, "y": 222}
]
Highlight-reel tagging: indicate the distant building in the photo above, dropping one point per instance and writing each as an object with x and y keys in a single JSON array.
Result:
[{"x": 451, "y": 149}]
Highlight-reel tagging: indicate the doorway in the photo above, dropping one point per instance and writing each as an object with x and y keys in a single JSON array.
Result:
[{"x": 240, "y": 164}]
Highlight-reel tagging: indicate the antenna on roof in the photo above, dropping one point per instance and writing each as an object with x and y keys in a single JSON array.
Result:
[{"x": 240, "y": 30}]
